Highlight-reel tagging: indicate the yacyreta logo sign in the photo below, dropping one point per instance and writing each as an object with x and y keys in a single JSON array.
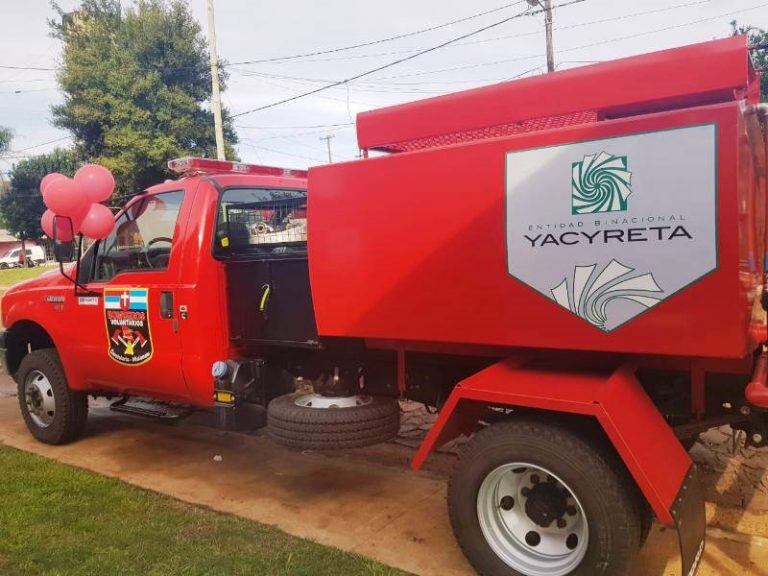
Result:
[
  {"x": 601, "y": 183},
  {"x": 605, "y": 242}
]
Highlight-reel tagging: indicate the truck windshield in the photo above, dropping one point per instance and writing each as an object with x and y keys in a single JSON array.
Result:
[
  {"x": 262, "y": 223},
  {"x": 142, "y": 238}
]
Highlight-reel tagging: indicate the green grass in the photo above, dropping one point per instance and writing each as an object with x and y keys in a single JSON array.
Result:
[
  {"x": 14, "y": 275},
  {"x": 56, "y": 520}
]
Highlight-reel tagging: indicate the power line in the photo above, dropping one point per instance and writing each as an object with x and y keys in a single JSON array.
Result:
[
  {"x": 506, "y": 36},
  {"x": 574, "y": 48},
  {"x": 382, "y": 40},
  {"x": 373, "y": 84},
  {"x": 311, "y": 158},
  {"x": 17, "y": 152},
  {"x": 401, "y": 60},
  {"x": 38, "y": 68},
  {"x": 142, "y": 68},
  {"x": 362, "y": 87},
  {"x": 297, "y": 127},
  {"x": 319, "y": 128},
  {"x": 331, "y": 50},
  {"x": 323, "y": 96}
]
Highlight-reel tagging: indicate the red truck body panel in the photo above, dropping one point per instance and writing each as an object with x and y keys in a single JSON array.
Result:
[
  {"x": 418, "y": 250},
  {"x": 649, "y": 82}
]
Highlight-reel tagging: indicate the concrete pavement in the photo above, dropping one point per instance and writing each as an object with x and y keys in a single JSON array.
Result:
[{"x": 364, "y": 501}]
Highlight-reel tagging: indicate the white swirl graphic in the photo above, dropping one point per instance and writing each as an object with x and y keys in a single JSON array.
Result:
[{"x": 587, "y": 294}]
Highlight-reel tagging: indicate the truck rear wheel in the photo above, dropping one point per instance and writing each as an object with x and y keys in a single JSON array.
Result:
[
  {"x": 315, "y": 422},
  {"x": 533, "y": 499},
  {"x": 53, "y": 413}
]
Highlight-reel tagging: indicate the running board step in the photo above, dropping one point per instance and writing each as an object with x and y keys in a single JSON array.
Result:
[{"x": 148, "y": 408}]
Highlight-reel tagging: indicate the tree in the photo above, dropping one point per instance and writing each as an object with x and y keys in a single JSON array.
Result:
[
  {"x": 5, "y": 138},
  {"x": 5, "y": 141},
  {"x": 136, "y": 83},
  {"x": 22, "y": 206},
  {"x": 759, "y": 57}
]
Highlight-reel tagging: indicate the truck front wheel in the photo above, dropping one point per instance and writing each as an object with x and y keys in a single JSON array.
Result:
[
  {"x": 533, "y": 499},
  {"x": 53, "y": 413}
]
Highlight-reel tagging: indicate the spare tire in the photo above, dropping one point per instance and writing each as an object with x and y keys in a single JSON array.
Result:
[{"x": 314, "y": 422}]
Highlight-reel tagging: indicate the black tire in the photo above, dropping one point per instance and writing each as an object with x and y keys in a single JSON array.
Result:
[
  {"x": 71, "y": 408},
  {"x": 646, "y": 520},
  {"x": 305, "y": 428},
  {"x": 601, "y": 484},
  {"x": 689, "y": 442}
]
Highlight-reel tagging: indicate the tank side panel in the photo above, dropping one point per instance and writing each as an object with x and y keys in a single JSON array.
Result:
[{"x": 414, "y": 247}]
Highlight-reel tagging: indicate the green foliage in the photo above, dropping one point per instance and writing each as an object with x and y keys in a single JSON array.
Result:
[
  {"x": 136, "y": 82},
  {"x": 5, "y": 138},
  {"x": 759, "y": 57},
  {"x": 22, "y": 206}
]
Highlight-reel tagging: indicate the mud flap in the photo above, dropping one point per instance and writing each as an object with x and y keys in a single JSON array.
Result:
[{"x": 691, "y": 521}]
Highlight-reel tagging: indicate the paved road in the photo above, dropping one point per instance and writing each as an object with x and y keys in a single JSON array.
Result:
[{"x": 364, "y": 501}]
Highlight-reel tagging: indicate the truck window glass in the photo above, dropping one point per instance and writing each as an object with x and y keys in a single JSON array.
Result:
[
  {"x": 142, "y": 237},
  {"x": 262, "y": 223}
]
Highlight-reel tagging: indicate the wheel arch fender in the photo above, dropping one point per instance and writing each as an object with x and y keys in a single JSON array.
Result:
[
  {"x": 22, "y": 337},
  {"x": 660, "y": 466},
  {"x": 30, "y": 333}
]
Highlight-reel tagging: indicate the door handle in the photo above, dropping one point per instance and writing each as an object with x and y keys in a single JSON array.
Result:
[
  {"x": 266, "y": 290},
  {"x": 166, "y": 304}
]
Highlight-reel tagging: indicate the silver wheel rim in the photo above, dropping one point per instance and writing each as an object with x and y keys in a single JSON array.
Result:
[
  {"x": 532, "y": 520},
  {"x": 40, "y": 399},
  {"x": 325, "y": 402}
]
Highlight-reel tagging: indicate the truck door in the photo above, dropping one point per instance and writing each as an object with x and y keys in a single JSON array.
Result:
[
  {"x": 129, "y": 325},
  {"x": 262, "y": 237}
]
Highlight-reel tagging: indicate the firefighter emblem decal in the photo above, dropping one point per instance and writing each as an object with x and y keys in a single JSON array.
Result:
[{"x": 125, "y": 312}]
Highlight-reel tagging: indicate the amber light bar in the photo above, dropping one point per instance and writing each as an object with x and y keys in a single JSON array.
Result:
[{"x": 190, "y": 166}]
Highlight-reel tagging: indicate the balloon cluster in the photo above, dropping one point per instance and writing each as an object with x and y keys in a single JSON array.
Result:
[{"x": 79, "y": 200}]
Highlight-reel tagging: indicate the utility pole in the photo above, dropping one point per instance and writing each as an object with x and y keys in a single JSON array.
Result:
[
  {"x": 216, "y": 91},
  {"x": 547, "y": 7},
  {"x": 328, "y": 142},
  {"x": 548, "y": 26}
]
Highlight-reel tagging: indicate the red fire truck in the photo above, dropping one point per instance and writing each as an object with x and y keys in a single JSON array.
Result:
[{"x": 568, "y": 267}]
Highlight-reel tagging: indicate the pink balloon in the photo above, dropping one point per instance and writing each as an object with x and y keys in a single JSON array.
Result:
[
  {"x": 65, "y": 198},
  {"x": 98, "y": 222},
  {"x": 46, "y": 223},
  {"x": 96, "y": 182},
  {"x": 48, "y": 179}
]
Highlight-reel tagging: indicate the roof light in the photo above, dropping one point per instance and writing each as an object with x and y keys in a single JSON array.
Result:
[{"x": 191, "y": 166}]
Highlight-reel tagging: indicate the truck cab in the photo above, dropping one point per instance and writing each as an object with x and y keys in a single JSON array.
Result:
[{"x": 150, "y": 312}]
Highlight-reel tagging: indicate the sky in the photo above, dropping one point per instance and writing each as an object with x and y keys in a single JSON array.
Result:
[{"x": 289, "y": 135}]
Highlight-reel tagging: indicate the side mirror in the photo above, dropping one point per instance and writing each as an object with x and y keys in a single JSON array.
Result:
[{"x": 63, "y": 239}]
